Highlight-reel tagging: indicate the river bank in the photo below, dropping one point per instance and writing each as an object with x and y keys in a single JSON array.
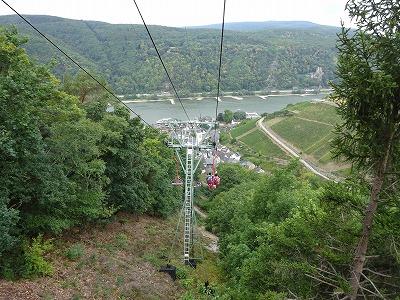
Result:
[{"x": 154, "y": 110}]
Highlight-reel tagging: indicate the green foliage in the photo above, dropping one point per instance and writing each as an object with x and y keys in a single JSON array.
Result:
[
  {"x": 164, "y": 198},
  {"x": 35, "y": 263},
  {"x": 301, "y": 133},
  {"x": 121, "y": 241},
  {"x": 74, "y": 252},
  {"x": 243, "y": 127},
  {"x": 282, "y": 235},
  {"x": 224, "y": 138},
  {"x": 368, "y": 99},
  {"x": 181, "y": 273},
  {"x": 271, "y": 234},
  {"x": 228, "y": 116},
  {"x": 239, "y": 115},
  {"x": 367, "y": 94},
  {"x": 254, "y": 60},
  {"x": 8, "y": 234},
  {"x": 84, "y": 87},
  {"x": 233, "y": 175},
  {"x": 65, "y": 162},
  {"x": 277, "y": 114},
  {"x": 187, "y": 296},
  {"x": 262, "y": 144}
]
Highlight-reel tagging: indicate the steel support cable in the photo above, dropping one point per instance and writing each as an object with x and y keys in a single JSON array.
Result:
[
  {"x": 161, "y": 60},
  {"x": 74, "y": 62},
  {"x": 174, "y": 241},
  {"x": 220, "y": 65},
  {"x": 218, "y": 88}
]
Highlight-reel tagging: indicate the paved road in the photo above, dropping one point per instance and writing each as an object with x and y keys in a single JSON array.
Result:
[{"x": 285, "y": 147}]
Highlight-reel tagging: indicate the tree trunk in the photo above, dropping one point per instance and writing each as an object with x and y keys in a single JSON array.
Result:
[{"x": 361, "y": 250}]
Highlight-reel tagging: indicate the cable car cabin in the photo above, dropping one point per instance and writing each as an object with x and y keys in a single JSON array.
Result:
[{"x": 213, "y": 181}]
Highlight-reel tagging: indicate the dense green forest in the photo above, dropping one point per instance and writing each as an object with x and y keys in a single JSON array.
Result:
[
  {"x": 65, "y": 163},
  {"x": 275, "y": 58},
  {"x": 288, "y": 235}
]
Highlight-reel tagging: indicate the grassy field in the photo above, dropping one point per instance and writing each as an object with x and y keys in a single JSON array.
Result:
[
  {"x": 316, "y": 111},
  {"x": 263, "y": 145},
  {"x": 243, "y": 127}
]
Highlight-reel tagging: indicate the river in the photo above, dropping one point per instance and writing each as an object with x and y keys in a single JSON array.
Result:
[{"x": 153, "y": 111}]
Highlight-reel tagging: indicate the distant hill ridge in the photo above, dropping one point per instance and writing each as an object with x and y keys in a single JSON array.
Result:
[
  {"x": 284, "y": 55},
  {"x": 248, "y": 26},
  {"x": 251, "y": 26}
]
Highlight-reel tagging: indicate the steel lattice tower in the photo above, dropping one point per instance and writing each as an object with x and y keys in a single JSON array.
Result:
[{"x": 193, "y": 139}]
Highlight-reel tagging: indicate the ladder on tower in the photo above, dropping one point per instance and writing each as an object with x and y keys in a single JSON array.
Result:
[{"x": 188, "y": 208}]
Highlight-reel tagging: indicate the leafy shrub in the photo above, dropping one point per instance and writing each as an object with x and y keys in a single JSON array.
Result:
[
  {"x": 8, "y": 221},
  {"x": 75, "y": 251},
  {"x": 187, "y": 282},
  {"x": 181, "y": 273},
  {"x": 35, "y": 263}
]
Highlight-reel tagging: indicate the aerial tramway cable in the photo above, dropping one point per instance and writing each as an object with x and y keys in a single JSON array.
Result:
[
  {"x": 218, "y": 88},
  {"x": 75, "y": 62},
  {"x": 220, "y": 64},
  {"x": 161, "y": 60}
]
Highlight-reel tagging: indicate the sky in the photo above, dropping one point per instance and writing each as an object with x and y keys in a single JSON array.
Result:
[{"x": 185, "y": 12}]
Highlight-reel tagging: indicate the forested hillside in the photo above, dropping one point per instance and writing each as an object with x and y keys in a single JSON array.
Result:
[
  {"x": 66, "y": 162},
  {"x": 279, "y": 57}
]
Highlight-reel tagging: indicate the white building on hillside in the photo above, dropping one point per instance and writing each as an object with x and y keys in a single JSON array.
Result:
[{"x": 252, "y": 115}]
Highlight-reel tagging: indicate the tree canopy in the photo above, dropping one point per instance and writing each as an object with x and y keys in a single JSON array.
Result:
[
  {"x": 283, "y": 236},
  {"x": 64, "y": 161},
  {"x": 368, "y": 96}
]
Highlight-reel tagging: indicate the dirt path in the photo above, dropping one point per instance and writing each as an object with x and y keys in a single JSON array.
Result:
[
  {"x": 246, "y": 133},
  {"x": 292, "y": 151},
  {"x": 200, "y": 212},
  {"x": 213, "y": 246},
  {"x": 315, "y": 121}
]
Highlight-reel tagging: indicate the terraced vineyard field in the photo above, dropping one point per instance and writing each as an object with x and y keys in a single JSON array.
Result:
[
  {"x": 301, "y": 133},
  {"x": 258, "y": 141},
  {"x": 310, "y": 130},
  {"x": 316, "y": 111},
  {"x": 243, "y": 127}
]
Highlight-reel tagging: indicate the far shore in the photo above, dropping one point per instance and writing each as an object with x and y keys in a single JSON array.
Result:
[{"x": 238, "y": 98}]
